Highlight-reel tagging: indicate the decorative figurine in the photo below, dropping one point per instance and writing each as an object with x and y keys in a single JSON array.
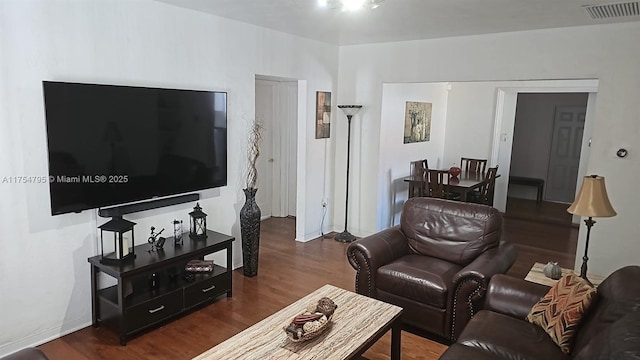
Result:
[
  {"x": 154, "y": 281},
  {"x": 552, "y": 270},
  {"x": 153, "y": 238},
  {"x": 160, "y": 243},
  {"x": 177, "y": 232}
]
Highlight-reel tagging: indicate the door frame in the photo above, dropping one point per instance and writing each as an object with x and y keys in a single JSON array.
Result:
[
  {"x": 287, "y": 164},
  {"x": 504, "y": 124}
]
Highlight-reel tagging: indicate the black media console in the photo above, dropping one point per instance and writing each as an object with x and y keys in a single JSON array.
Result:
[{"x": 133, "y": 304}]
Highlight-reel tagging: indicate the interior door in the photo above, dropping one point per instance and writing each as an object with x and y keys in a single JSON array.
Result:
[
  {"x": 276, "y": 106},
  {"x": 265, "y": 113},
  {"x": 564, "y": 158},
  {"x": 290, "y": 148}
]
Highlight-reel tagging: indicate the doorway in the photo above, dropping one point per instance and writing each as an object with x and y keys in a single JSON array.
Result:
[
  {"x": 547, "y": 141},
  {"x": 276, "y": 106},
  {"x": 505, "y": 114}
]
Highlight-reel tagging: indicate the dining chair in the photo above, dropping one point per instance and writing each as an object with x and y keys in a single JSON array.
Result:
[
  {"x": 473, "y": 165},
  {"x": 417, "y": 171},
  {"x": 436, "y": 186},
  {"x": 418, "y": 167},
  {"x": 485, "y": 195}
]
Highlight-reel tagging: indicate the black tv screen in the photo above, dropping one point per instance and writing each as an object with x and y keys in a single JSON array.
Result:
[{"x": 111, "y": 145}]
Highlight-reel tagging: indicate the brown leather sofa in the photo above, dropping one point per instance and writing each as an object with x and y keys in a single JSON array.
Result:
[
  {"x": 610, "y": 330},
  {"x": 436, "y": 264}
]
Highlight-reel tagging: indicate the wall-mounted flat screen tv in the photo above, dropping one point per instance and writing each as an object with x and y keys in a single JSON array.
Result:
[{"x": 110, "y": 145}]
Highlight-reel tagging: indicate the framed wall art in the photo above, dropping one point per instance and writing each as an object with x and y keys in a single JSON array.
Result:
[
  {"x": 323, "y": 114},
  {"x": 417, "y": 122}
]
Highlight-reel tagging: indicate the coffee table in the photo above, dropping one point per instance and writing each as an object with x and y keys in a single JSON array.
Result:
[{"x": 357, "y": 323}]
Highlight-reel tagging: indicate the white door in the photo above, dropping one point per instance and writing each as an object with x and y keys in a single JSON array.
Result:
[
  {"x": 264, "y": 113},
  {"x": 290, "y": 148},
  {"x": 564, "y": 158},
  {"x": 276, "y": 106}
]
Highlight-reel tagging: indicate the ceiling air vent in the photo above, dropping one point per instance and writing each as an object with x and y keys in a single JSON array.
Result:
[{"x": 615, "y": 10}]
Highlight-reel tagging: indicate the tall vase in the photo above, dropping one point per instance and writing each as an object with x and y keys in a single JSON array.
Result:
[{"x": 250, "y": 229}]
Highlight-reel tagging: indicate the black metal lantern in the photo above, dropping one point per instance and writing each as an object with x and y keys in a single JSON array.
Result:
[
  {"x": 198, "y": 228},
  {"x": 123, "y": 242}
]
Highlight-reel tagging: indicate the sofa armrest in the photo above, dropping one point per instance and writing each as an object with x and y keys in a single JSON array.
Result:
[
  {"x": 512, "y": 296},
  {"x": 366, "y": 255},
  {"x": 471, "y": 282}
]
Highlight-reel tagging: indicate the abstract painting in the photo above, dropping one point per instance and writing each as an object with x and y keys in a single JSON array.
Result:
[
  {"x": 323, "y": 114},
  {"x": 417, "y": 122}
]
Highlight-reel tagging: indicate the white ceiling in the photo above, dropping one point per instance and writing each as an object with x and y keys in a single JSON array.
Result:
[{"x": 397, "y": 20}]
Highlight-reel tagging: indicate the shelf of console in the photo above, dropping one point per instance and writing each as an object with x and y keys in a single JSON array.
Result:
[{"x": 133, "y": 304}]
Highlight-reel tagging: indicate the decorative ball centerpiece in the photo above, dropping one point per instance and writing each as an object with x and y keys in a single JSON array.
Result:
[
  {"x": 313, "y": 322},
  {"x": 454, "y": 171}
]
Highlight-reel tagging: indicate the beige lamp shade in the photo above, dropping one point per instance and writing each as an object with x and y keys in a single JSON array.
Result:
[{"x": 592, "y": 200}]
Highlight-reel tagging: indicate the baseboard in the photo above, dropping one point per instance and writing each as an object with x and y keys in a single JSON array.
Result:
[{"x": 43, "y": 337}]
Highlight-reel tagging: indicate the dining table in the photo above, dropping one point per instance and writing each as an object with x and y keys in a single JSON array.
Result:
[{"x": 463, "y": 184}]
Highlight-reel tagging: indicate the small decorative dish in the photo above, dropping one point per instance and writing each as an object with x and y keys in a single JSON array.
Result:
[{"x": 311, "y": 323}]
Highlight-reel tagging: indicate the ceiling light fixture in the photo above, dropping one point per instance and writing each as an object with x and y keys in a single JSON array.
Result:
[{"x": 349, "y": 5}]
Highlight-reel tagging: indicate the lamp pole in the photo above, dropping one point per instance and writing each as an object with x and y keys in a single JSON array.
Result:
[
  {"x": 583, "y": 269},
  {"x": 349, "y": 110}
]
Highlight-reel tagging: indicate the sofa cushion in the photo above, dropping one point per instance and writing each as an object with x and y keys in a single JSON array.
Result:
[
  {"x": 420, "y": 278},
  {"x": 460, "y": 352},
  {"x": 505, "y": 337},
  {"x": 620, "y": 340},
  {"x": 452, "y": 231},
  {"x": 561, "y": 310},
  {"x": 613, "y": 325}
]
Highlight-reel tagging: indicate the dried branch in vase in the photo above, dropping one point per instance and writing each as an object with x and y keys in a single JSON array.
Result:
[{"x": 253, "y": 152}]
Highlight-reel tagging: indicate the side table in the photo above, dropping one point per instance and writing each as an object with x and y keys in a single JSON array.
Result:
[{"x": 536, "y": 275}]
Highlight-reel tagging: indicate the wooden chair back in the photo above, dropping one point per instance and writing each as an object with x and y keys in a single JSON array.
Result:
[
  {"x": 419, "y": 168},
  {"x": 488, "y": 189},
  {"x": 435, "y": 184},
  {"x": 470, "y": 165},
  {"x": 418, "y": 171}
]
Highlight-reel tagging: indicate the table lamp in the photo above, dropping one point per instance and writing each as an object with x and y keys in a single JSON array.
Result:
[{"x": 592, "y": 201}]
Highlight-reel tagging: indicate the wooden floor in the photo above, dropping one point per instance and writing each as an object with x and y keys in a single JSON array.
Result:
[
  {"x": 542, "y": 233},
  {"x": 289, "y": 270},
  {"x": 546, "y": 211}
]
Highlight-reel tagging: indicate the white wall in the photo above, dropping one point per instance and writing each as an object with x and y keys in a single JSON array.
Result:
[
  {"x": 605, "y": 52},
  {"x": 470, "y": 117},
  {"x": 44, "y": 274},
  {"x": 394, "y": 155}
]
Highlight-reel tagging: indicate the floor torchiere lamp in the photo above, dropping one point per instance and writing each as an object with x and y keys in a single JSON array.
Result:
[
  {"x": 592, "y": 201},
  {"x": 349, "y": 110}
]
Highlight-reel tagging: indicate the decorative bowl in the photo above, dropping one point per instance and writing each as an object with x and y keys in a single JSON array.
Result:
[{"x": 311, "y": 323}]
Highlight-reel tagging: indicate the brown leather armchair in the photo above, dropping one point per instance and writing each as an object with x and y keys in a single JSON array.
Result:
[{"x": 436, "y": 264}]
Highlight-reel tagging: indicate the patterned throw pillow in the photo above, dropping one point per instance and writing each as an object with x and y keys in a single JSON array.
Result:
[{"x": 559, "y": 312}]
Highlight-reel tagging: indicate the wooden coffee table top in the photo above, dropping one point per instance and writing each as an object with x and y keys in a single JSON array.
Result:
[{"x": 357, "y": 320}]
